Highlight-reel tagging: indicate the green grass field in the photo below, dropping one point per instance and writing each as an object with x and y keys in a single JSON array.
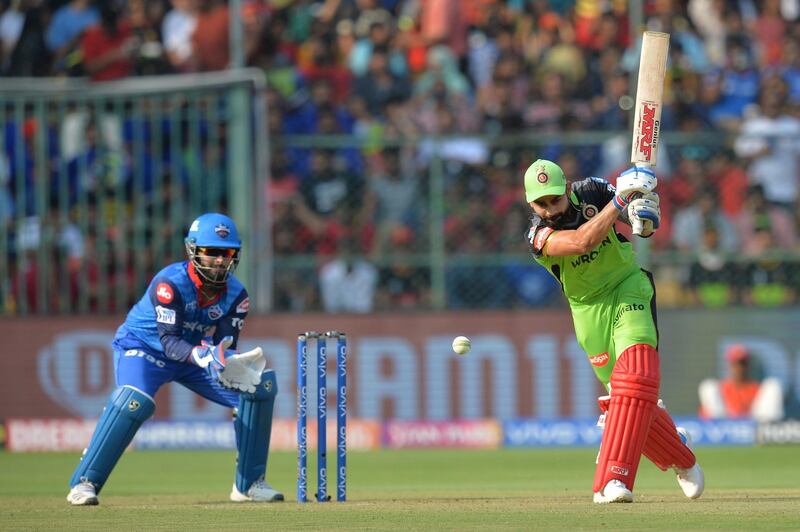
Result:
[{"x": 746, "y": 488}]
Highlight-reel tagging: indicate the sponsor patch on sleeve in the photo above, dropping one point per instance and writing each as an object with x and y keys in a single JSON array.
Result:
[
  {"x": 243, "y": 307},
  {"x": 165, "y": 315},
  {"x": 164, "y": 293},
  {"x": 541, "y": 237}
]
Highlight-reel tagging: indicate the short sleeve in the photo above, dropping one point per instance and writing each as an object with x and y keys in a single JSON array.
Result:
[{"x": 537, "y": 236}]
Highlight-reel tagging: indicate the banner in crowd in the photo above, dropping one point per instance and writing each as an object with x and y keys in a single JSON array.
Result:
[{"x": 522, "y": 364}]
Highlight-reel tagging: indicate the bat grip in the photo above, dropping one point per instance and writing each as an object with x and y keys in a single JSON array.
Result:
[{"x": 636, "y": 224}]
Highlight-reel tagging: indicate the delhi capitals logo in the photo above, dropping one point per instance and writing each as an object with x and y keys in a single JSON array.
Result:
[{"x": 222, "y": 230}]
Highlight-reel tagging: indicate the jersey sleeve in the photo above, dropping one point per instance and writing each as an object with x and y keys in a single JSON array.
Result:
[
  {"x": 231, "y": 324},
  {"x": 537, "y": 236},
  {"x": 598, "y": 191},
  {"x": 168, "y": 305}
]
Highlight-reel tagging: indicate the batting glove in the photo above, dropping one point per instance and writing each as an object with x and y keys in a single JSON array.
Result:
[{"x": 632, "y": 183}]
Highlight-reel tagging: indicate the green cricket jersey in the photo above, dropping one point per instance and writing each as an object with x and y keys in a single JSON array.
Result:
[
  {"x": 586, "y": 277},
  {"x": 612, "y": 300}
]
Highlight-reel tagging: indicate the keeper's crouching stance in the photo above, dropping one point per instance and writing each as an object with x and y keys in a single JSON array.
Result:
[
  {"x": 162, "y": 341},
  {"x": 613, "y": 307}
]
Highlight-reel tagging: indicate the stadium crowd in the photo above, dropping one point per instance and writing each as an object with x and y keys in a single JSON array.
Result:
[{"x": 394, "y": 73}]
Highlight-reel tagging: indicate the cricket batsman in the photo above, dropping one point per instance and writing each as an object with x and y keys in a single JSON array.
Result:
[
  {"x": 614, "y": 310},
  {"x": 162, "y": 340}
]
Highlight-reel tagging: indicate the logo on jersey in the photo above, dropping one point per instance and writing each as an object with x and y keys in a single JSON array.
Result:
[
  {"x": 244, "y": 306},
  {"x": 222, "y": 230},
  {"x": 627, "y": 308},
  {"x": 588, "y": 258},
  {"x": 599, "y": 360},
  {"x": 164, "y": 293},
  {"x": 214, "y": 312},
  {"x": 589, "y": 211},
  {"x": 197, "y": 326},
  {"x": 191, "y": 306},
  {"x": 165, "y": 315},
  {"x": 542, "y": 178}
]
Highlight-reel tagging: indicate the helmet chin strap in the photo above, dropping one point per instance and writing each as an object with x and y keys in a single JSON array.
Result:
[{"x": 204, "y": 272}]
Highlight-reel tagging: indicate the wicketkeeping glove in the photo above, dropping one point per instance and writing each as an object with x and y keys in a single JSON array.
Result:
[
  {"x": 243, "y": 371},
  {"x": 211, "y": 357}
]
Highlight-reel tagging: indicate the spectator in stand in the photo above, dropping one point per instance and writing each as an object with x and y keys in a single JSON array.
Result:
[
  {"x": 740, "y": 78},
  {"x": 769, "y": 29},
  {"x": 392, "y": 196},
  {"x": 758, "y": 216},
  {"x": 501, "y": 100},
  {"x": 144, "y": 19},
  {"x": 770, "y": 143},
  {"x": 12, "y": 20},
  {"x": 30, "y": 56},
  {"x": 66, "y": 28},
  {"x": 109, "y": 47},
  {"x": 442, "y": 75},
  {"x": 769, "y": 280},
  {"x": 210, "y": 37},
  {"x": 470, "y": 284},
  {"x": 347, "y": 282},
  {"x": 380, "y": 85},
  {"x": 403, "y": 285},
  {"x": 691, "y": 221},
  {"x": 177, "y": 29},
  {"x": 740, "y": 395},
  {"x": 713, "y": 279},
  {"x": 379, "y": 36},
  {"x": 732, "y": 182}
]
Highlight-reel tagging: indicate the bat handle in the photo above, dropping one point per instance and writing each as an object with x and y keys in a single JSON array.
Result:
[
  {"x": 638, "y": 227},
  {"x": 636, "y": 224}
]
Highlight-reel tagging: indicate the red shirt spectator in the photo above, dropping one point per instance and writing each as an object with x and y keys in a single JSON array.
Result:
[
  {"x": 106, "y": 54},
  {"x": 210, "y": 39}
]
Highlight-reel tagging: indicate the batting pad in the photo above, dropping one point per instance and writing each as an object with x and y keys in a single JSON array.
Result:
[
  {"x": 664, "y": 447},
  {"x": 125, "y": 412},
  {"x": 634, "y": 398},
  {"x": 253, "y": 430}
]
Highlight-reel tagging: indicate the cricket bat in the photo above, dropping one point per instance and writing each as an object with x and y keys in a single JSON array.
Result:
[{"x": 649, "y": 100}]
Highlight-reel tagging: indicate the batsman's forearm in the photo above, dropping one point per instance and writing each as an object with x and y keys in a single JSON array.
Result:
[{"x": 595, "y": 230}]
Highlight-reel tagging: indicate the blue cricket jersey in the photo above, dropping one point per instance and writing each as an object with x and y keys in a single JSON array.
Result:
[{"x": 168, "y": 320}]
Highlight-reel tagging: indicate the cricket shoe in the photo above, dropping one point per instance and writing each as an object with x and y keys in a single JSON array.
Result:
[
  {"x": 691, "y": 480},
  {"x": 83, "y": 494},
  {"x": 615, "y": 491},
  {"x": 259, "y": 491}
]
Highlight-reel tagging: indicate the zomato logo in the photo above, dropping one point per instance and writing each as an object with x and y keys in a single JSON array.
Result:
[
  {"x": 599, "y": 360},
  {"x": 164, "y": 293}
]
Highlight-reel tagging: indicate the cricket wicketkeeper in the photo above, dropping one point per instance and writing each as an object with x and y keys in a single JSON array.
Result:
[
  {"x": 162, "y": 340},
  {"x": 614, "y": 310}
]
